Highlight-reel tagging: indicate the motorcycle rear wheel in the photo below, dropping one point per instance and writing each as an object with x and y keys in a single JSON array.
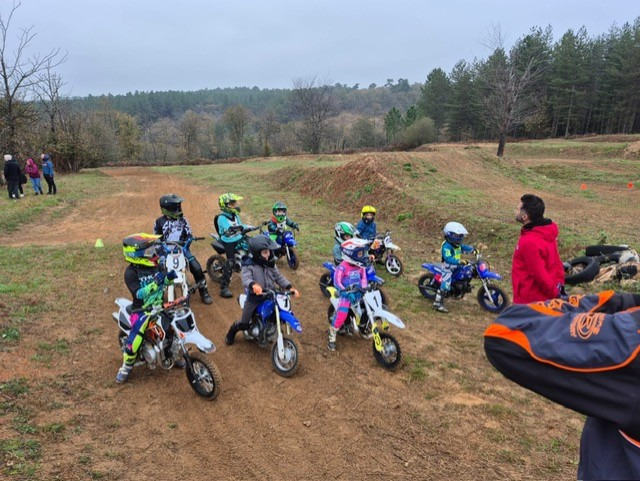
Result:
[
  {"x": 391, "y": 354},
  {"x": 325, "y": 281},
  {"x": 203, "y": 376},
  {"x": 215, "y": 267},
  {"x": 428, "y": 286},
  {"x": 286, "y": 367},
  {"x": 293, "y": 260}
]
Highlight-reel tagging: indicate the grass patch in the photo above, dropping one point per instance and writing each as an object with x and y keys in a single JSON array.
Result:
[
  {"x": 21, "y": 456},
  {"x": 14, "y": 387},
  {"x": 10, "y": 334}
]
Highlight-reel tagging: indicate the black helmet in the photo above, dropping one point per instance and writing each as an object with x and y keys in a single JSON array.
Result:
[
  {"x": 259, "y": 243},
  {"x": 171, "y": 205}
]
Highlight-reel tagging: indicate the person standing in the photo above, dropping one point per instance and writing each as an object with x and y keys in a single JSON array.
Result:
[
  {"x": 47, "y": 171},
  {"x": 537, "y": 273},
  {"x": 34, "y": 174},
  {"x": 12, "y": 176}
]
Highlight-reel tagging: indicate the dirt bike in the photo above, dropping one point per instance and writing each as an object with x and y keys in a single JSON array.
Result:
[
  {"x": 267, "y": 324},
  {"x": 287, "y": 241},
  {"x": 176, "y": 261},
  {"x": 490, "y": 297},
  {"x": 326, "y": 280},
  {"x": 383, "y": 250},
  {"x": 368, "y": 318},
  {"x": 215, "y": 263},
  {"x": 171, "y": 327}
]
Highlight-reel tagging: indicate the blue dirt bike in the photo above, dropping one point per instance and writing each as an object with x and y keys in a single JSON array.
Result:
[
  {"x": 287, "y": 242},
  {"x": 490, "y": 297},
  {"x": 270, "y": 319},
  {"x": 326, "y": 281}
]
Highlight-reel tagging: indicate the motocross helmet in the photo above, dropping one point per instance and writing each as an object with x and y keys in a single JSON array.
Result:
[
  {"x": 171, "y": 205},
  {"x": 368, "y": 209},
  {"x": 279, "y": 210},
  {"x": 141, "y": 249},
  {"x": 225, "y": 199},
  {"x": 343, "y": 229},
  {"x": 259, "y": 243},
  {"x": 454, "y": 232},
  {"x": 356, "y": 252}
]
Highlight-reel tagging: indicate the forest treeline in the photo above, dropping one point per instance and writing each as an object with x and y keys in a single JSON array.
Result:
[{"x": 540, "y": 87}]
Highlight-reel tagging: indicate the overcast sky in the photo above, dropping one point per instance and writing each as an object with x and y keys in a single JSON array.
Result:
[{"x": 116, "y": 46}]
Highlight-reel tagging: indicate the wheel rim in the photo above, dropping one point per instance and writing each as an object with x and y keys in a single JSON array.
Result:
[
  {"x": 393, "y": 265},
  {"x": 290, "y": 356},
  {"x": 495, "y": 302},
  {"x": 389, "y": 350},
  {"x": 202, "y": 377}
]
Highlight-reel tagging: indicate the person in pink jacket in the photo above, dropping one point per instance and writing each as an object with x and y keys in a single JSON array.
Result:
[
  {"x": 350, "y": 275},
  {"x": 34, "y": 174}
]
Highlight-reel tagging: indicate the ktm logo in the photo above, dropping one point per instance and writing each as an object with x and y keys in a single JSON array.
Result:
[
  {"x": 558, "y": 304},
  {"x": 586, "y": 325}
]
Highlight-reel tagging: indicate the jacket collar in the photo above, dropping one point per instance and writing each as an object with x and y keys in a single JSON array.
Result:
[{"x": 539, "y": 223}]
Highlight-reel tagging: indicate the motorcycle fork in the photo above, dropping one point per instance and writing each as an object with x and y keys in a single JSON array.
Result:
[
  {"x": 279, "y": 340},
  {"x": 486, "y": 290}
]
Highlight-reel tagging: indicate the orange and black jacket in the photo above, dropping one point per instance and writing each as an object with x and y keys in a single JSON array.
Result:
[{"x": 582, "y": 353}]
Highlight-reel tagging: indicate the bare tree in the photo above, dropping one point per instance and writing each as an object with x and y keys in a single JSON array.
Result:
[
  {"x": 507, "y": 78},
  {"x": 19, "y": 75},
  {"x": 236, "y": 120},
  {"x": 268, "y": 126},
  {"x": 50, "y": 95},
  {"x": 313, "y": 102},
  {"x": 190, "y": 130}
]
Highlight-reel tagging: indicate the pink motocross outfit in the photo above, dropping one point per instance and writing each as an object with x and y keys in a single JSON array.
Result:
[{"x": 347, "y": 275}]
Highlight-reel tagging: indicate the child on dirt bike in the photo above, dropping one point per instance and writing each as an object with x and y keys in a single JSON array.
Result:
[
  {"x": 146, "y": 282},
  {"x": 279, "y": 219},
  {"x": 172, "y": 226},
  {"x": 343, "y": 231},
  {"x": 229, "y": 228},
  {"x": 452, "y": 247},
  {"x": 259, "y": 272},
  {"x": 366, "y": 228},
  {"x": 349, "y": 279}
]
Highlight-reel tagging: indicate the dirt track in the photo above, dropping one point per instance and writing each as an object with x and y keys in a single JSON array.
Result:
[{"x": 340, "y": 417}]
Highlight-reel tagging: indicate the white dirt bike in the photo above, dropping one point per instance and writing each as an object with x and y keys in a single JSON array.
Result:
[
  {"x": 176, "y": 261},
  {"x": 369, "y": 318},
  {"x": 172, "y": 326},
  {"x": 383, "y": 248}
]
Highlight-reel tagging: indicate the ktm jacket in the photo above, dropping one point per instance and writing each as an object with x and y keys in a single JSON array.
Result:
[
  {"x": 581, "y": 353},
  {"x": 537, "y": 268}
]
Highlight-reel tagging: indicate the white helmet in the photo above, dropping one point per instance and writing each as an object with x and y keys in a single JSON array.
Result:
[{"x": 454, "y": 232}]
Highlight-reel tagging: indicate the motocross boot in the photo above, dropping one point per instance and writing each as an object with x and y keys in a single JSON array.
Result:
[
  {"x": 331, "y": 339},
  {"x": 204, "y": 294},
  {"x": 438, "y": 304},
  {"x": 231, "y": 335},
  {"x": 123, "y": 373},
  {"x": 226, "y": 279}
]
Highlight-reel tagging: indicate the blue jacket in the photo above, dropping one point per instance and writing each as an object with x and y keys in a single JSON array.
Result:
[
  {"x": 47, "y": 166},
  {"x": 366, "y": 231},
  {"x": 337, "y": 253},
  {"x": 451, "y": 254},
  {"x": 226, "y": 221}
]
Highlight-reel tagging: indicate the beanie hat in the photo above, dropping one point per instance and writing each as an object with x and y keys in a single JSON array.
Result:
[{"x": 7, "y": 156}]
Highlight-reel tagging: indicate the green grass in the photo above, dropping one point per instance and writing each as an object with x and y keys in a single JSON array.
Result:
[
  {"x": 21, "y": 457},
  {"x": 71, "y": 190},
  {"x": 14, "y": 387}
]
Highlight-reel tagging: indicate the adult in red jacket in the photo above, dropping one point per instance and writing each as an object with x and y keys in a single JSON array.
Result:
[{"x": 537, "y": 273}]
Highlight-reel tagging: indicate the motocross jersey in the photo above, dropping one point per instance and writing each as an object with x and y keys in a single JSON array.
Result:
[
  {"x": 172, "y": 230},
  {"x": 140, "y": 282},
  {"x": 274, "y": 225},
  {"x": 451, "y": 253},
  {"x": 225, "y": 221},
  {"x": 348, "y": 275}
]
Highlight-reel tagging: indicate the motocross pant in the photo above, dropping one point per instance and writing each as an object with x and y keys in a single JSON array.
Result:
[
  {"x": 447, "y": 274},
  {"x": 194, "y": 266},
  {"x": 342, "y": 312},
  {"x": 139, "y": 323},
  {"x": 227, "y": 268}
]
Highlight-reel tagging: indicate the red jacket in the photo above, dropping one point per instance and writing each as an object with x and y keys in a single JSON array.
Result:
[{"x": 537, "y": 268}]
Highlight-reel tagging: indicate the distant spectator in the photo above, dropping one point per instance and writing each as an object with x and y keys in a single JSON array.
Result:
[
  {"x": 12, "y": 176},
  {"x": 22, "y": 179},
  {"x": 537, "y": 273},
  {"x": 47, "y": 171},
  {"x": 34, "y": 175}
]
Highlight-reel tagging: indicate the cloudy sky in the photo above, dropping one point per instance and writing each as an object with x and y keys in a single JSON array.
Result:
[{"x": 116, "y": 46}]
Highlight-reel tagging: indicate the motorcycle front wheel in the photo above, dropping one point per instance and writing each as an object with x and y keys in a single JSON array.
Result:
[
  {"x": 215, "y": 267},
  {"x": 292, "y": 259},
  {"x": 287, "y": 366},
  {"x": 498, "y": 300},
  {"x": 203, "y": 376},
  {"x": 393, "y": 265},
  {"x": 391, "y": 354}
]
